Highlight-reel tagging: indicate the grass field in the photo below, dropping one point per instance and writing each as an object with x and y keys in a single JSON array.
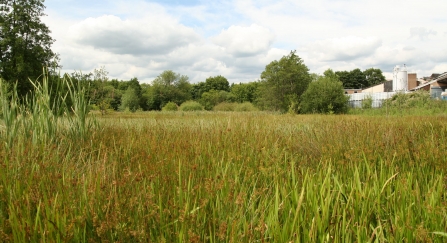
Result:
[{"x": 229, "y": 177}]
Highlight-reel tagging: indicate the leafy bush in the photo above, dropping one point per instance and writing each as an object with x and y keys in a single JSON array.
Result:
[
  {"x": 418, "y": 99},
  {"x": 213, "y": 97},
  {"x": 170, "y": 106},
  {"x": 225, "y": 106},
  {"x": 191, "y": 106},
  {"x": 246, "y": 106},
  {"x": 367, "y": 103},
  {"x": 414, "y": 103},
  {"x": 325, "y": 95}
]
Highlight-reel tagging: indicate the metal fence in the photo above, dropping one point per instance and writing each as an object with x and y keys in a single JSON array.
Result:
[{"x": 356, "y": 100}]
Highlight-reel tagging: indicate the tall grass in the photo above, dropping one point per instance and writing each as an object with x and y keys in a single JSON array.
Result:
[
  {"x": 231, "y": 177},
  {"x": 44, "y": 117}
]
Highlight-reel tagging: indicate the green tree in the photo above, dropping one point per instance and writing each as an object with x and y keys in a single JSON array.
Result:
[
  {"x": 344, "y": 77},
  {"x": 354, "y": 79},
  {"x": 284, "y": 81},
  {"x": 244, "y": 92},
  {"x": 374, "y": 76},
  {"x": 217, "y": 83},
  {"x": 168, "y": 87},
  {"x": 325, "y": 95},
  {"x": 130, "y": 100},
  {"x": 358, "y": 79},
  {"x": 197, "y": 90},
  {"x": 25, "y": 43},
  {"x": 212, "y": 83}
]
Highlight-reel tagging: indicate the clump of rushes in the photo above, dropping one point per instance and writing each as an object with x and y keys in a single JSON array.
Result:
[
  {"x": 79, "y": 124},
  {"x": 40, "y": 117},
  {"x": 10, "y": 111},
  {"x": 232, "y": 177}
]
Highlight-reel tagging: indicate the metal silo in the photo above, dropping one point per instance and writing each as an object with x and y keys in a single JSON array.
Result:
[{"x": 400, "y": 78}]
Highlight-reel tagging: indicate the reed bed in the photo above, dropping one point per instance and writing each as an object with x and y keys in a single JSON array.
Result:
[{"x": 230, "y": 177}]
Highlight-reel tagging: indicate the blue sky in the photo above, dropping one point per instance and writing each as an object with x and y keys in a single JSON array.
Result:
[{"x": 238, "y": 38}]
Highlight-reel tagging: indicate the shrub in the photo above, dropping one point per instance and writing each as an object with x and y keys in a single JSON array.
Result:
[
  {"x": 246, "y": 106},
  {"x": 191, "y": 106},
  {"x": 225, "y": 106},
  {"x": 367, "y": 103},
  {"x": 170, "y": 106},
  {"x": 325, "y": 95},
  {"x": 418, "y": 99}
]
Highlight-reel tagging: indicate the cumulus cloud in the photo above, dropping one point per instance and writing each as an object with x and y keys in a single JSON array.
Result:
[
  {"x": 135, "y": 37},
  {"x": 242, "y": 41},
  {"x": 409, "y": 48},
  {"x": 345, "y": 48},
  {"x": 421, "y": 32}
]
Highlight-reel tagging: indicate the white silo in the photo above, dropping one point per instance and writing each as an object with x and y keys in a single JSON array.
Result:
[{"x": 400, "y": 78}]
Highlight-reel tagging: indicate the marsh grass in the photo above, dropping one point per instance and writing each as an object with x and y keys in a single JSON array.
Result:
[
  {"x": 44, "y": 117},
  {"x": 231, "y": 177}
]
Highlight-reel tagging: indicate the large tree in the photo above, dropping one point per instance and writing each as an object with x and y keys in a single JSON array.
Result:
[
  {"x": 25, "y": 42},
  {"x": 218, "y": 83},
  {"x": 168, "y": 87},
  {"x": 283, "y": 82}
]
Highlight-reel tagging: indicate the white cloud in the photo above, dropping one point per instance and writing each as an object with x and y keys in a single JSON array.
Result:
[
  {"x": 421, "y": 32},
  {"x": 439, "y": 68},
  {"x": 345, "y": 48},
  {"x": 245, "y": 41},
  {"x": 134, "y": 37}
]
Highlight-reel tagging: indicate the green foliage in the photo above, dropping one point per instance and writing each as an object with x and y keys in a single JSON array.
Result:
[
  {"x": 419, "y": 99},
  {"x": 168, "y": 87},
  {"x": 191, "y": 106},
  {"x": 414, "y": 103},
  {"x": 326, "y": 95},
  {"x": 367, "y": 103},
  {"x": 244, "y": 92},
  {"x": 218, "y": 83},
  {"x": 225, "y": 106},
  {"x": 240, "y": 107},
  {"x": 170, "y": 106},
  {"x": 25, "y": 43},
  {"x": 246, "y": 106},
  {"x": 374, "y": 76},
  {"x": 282, "y": 83},
  {"x": 356, "y": 79},
  {"x": 213, "y": 97},
  {"x": 130, "y": 100}
]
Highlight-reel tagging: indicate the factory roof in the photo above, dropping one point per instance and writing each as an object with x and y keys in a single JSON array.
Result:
[{"x": 441, "y": 79}]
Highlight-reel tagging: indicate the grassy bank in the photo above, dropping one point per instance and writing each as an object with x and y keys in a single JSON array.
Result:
[{"x": 230, "y": 177}]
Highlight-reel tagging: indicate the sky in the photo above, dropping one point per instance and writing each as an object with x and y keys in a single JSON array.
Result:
[{"x": 238, "y": 38}]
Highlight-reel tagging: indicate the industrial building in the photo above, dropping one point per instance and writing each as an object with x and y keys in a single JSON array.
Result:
[{"x": 402, "y": 82}]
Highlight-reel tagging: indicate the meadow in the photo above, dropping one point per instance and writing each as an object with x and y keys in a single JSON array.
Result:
[{"x": 229, "y": 177}]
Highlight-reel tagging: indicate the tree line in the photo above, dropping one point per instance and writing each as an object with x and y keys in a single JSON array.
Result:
[{"x": 285, "y": 85}]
